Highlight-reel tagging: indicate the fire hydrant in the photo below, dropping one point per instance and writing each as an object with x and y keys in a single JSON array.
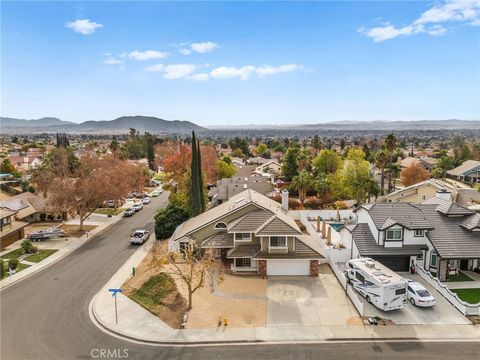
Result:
[{"x": 225, "y": 322}]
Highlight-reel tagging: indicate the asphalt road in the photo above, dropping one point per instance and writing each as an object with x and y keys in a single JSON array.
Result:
[{"x": 46, "y": 315}]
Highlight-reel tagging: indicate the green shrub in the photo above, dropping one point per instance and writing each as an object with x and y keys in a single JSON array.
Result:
[
  {"x": 2, "y": 269},
  {"x": 28, "y": 247},
  {"x": 12, "y": 264},
  {"x": 167, "y": 220}
]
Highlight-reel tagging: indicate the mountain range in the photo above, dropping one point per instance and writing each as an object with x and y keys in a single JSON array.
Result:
[{"x": 116, "y": 126}]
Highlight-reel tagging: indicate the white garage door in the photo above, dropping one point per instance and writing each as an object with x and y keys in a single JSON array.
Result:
[{"x": 288, "y": 267}]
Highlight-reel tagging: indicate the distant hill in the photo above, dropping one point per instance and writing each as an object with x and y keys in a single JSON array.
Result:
[
  {"x": 45, "y": 121},
  {"x": 116, "y": 126}
]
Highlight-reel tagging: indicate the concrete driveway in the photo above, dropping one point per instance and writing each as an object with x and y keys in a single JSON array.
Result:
[
  {"x": 301, "y": 300},
  {"x": 442, "y": 313}
]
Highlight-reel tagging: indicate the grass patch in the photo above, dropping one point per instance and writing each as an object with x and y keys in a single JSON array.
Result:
[
  {"x": 471, "y": 296},
  {"x": 109, "y": 211},
  {"x": 15, "y": 254},
  {"x": 460, "y": 277},
  {"x": 42, "y": 254},
  {"x": 20, "y": 267},
  {"x": 154, "y": 291}
]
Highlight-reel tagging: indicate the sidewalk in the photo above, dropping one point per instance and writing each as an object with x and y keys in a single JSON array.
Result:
[
  {"x": 136, "y": 323},
  {"x": 72, "y": 244}
]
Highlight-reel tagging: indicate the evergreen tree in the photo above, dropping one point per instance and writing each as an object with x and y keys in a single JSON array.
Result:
[
  {"x": 195, "y": 205},
  {"x": 201, "y": 188}
]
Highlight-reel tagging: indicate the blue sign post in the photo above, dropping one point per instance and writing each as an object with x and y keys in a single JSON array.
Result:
[{"x": 114, "y": 294}]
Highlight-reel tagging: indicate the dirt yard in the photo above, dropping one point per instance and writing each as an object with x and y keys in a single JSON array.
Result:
[{"x": 239, "y": 299}]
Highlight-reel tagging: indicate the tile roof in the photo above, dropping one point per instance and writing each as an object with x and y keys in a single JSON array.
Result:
[
  {"x": 453, "y": 209},
  {"x": 405, "y": 214},
  {"x": 250, "y": 222},
  {"x": 471, "y": 222},
  {"x": 221, "y": 239},
  {"x": 367, "y": 246},
  {"x": 277, "y": 226},
  {"x": 249, "y": 250}
]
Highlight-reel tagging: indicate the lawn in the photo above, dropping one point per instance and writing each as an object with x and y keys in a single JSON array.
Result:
[
  {"x": 472, "y": 296},
  {"x": 42, "y": 254},
  {"x": 460, "y": 277},
  {"x": 20, "y": 267},
  {"x": 15, "y": 254},
  {"x": 109, "y": 211},
  {"x": 154, "y": 291}
]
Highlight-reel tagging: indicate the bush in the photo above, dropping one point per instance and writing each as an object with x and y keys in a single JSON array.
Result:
[
  {"x": 294, "y": 204},
  {"x": 313, "y": 202},
  {"x": 2, "y": 269},
  {"x": 167, "y": 220},
  {"x": 12, "y": 264},
  {"x": 28, "y": 247}
]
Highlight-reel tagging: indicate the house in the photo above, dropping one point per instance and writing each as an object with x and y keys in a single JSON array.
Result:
[
  {"x": 25, "y": 163},
  {"x": 268, "y": 169},
  {"x": 419, "y": 192},
  {"x": 31, "y": 207},
  {"x": 226, "y": 188},
  {"x": 11, "y": 230},
  {"x": 428, "y": 163},
  {"x": 258, "y": 160},
  {"x": 468, "y": 171},
  {"x": 439, "y": 235},
  {"x": 252, "y": 233}
]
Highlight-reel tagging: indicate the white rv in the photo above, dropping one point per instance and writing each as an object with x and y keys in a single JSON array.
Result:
[{"x": 378, "y": 284}]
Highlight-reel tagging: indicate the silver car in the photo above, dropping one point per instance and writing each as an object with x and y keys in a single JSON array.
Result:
[{"x": 139, "y": 237}]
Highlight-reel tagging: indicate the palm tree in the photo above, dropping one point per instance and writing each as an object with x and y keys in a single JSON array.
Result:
[
  {"x": 393, "y": 172},
  {"x": 302, "y": 183},
  {"x": 381, "y": 161},
  {"x": 391, "y": 144}
]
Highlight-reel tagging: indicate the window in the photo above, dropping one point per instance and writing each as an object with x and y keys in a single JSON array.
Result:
[
  {"x": 243, "y": 262},
  {"x": 394, "y": 235},
  {"x": 243, "y": 236},
  {"x": 360, "y": 277},
  {"x": 220, "y": 225},
  {"x": 278, "y": 241},
  {"x": 424, "y": 197},
  {"x": 400, "y": 291},
  {"x": 418, "y": 233},
  {"x": 433, "y": 259}
]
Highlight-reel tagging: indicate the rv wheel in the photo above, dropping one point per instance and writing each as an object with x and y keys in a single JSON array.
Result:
[
  {"x": 368, "y": 299},
  {"x": 412, "y": 301}
]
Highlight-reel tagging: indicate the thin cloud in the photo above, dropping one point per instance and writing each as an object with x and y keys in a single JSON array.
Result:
[
  {"x": 147, "y": 55},
  {"x": 431, "y": 22},
  {"x": 83, "y": 26}
]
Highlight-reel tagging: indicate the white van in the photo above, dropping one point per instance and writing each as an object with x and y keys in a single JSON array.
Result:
[{"x": 378, "y": 284}]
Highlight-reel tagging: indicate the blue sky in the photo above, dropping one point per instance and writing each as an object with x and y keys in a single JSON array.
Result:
[{"x": 231, "y": 63}]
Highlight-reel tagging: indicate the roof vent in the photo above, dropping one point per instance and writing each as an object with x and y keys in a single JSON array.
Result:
[{"x": 370, "y": 264}]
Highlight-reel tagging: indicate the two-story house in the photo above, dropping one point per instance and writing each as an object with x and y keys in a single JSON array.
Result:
[
  {"x": 253, "y": 233},
  {"x": 468, "y": 171},
  {"x": 439, "y": 235}
]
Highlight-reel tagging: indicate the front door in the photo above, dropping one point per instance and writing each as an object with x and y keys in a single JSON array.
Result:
[{"x": 464, "y": 264}]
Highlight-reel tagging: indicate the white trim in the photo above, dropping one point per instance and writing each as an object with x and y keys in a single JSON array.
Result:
[{"x": 242, "y": 240}]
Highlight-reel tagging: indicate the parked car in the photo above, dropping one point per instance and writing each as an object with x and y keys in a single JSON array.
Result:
[
  {"x": 155, "y": 193},
  {"x": 137, "y": 206},
  {"x": 139, "y": 237},
  {"x": 129, "y": 212},
  {"x": 418, "y": 295},
  {"x": 146, "y": 200},
  {"x": 112, "y": 203}
]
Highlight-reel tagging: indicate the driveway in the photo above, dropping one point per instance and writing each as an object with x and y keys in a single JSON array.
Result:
[
  {"x": 301, "y": 300},
  {"x": 442, "y": 313}
]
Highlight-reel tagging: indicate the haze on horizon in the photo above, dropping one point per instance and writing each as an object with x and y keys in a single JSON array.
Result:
[{"x": 228, "y": 64}]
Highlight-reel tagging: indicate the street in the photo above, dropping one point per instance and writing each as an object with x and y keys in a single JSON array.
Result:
[{"x": 46, "y": 315}]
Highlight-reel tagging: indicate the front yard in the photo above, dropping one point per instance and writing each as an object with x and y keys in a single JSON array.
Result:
[
  {"x": 472, "y": 296},
  {"x": 109, "y": 211},
  {"x": 460, "y": 277}
]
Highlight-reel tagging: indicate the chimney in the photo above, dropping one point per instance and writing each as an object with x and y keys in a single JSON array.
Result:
[
  {"x": 444, "y": 195},
  {"x": 285, "y": 199}
]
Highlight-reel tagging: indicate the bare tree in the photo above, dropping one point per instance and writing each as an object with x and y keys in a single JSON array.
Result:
[{"x": 196, "y": 268}]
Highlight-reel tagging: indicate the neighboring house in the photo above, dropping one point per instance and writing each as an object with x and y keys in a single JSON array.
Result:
[
  {"x": 428, "y": 163},
  {"x": 268, "y": 169},
  {"x": 467, "y": 197},
  {"x": 31, "y": 208},
  {"x": 226, "y": 188},
  {"x": 11, "y": 230},
  {"x": 439, "y": 235},
  {"x": 25, "y": 163},
  {"x": 258, "y": 160},
  {"x": 468, "y": 171},
  {"x": 251, "y": 233},
  {"x": 418, "y": 192}
]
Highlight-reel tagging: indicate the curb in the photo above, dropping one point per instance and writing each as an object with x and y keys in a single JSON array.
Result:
[{"x": 58, "y": 259}]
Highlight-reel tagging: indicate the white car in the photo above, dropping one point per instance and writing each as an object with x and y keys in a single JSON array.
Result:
[
  {"x": 139, "y": 237},
  {"x": 146, "y": 200},
  {"x": 418, "y": 295},
  {"x": 137, "y": 206}
]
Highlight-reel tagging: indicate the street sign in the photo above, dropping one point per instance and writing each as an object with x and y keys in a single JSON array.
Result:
[
  {"x": 115, "y": 291},
  {"x": 114, "y": 294}
]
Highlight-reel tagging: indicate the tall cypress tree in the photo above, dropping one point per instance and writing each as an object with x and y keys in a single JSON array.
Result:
[
  {"x": 201, "y": 188},
  {"x": 195, "y": 204}
]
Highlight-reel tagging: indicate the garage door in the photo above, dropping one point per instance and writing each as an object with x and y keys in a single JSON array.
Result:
[
  {"x": 288, "y": 267},
  {"x": 395, "y": 263}
]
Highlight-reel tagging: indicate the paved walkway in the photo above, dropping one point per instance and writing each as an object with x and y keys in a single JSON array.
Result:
[
  {"x": 68, "y": 245},
  {"x": 136, "y": 323},
  {"x": 466, "y": 284}
]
